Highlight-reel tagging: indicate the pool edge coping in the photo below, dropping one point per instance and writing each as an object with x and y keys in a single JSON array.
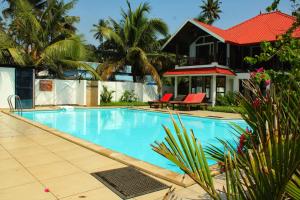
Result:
[{"x": 179, "y": 179}]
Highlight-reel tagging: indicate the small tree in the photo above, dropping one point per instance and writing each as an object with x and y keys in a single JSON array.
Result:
[
  {"x": 106, "y": 95},
  {"x": 128, "y": 96}
]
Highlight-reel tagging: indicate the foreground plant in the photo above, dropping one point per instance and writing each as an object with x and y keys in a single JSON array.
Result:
[{"x": 267, "y": 167}]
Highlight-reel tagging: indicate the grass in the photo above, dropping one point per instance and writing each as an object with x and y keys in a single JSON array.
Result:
[
  {"x": 226, "y": 109},
  {"x": 124, "y": 104}
]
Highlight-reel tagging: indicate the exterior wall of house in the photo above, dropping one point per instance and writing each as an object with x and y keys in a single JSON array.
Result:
[{"x": 7, "y": 85}]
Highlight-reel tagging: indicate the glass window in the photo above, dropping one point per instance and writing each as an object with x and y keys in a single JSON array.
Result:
[
  {"x": 201, "y": 84},
  {"x": 183, "y": 85},
  {"x": 221, "y": 85}
]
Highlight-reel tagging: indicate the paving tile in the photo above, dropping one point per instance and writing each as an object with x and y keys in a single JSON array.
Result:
[
  {"x": 28, "y": 151},
  {"x": 14, "y": 177},
  {"x": 98, "y": 194},
  {"x": 53, "y": 170},
  {"x": 155, "y": 195},
  {"x": 45, "y": 139},
  {"x": 61, "y": 146},
  {"x": 75, "y": 153},
  {"x": 97, "y": 162},
  {"x": 32, "y": 191},
  {"x": 10, "y": 143},
  {"x": 4, "y": 154},
  {"x": 72, "y": 184},
  {"x": 39, "y": 159},
  {"x": 9, "y": 163}
]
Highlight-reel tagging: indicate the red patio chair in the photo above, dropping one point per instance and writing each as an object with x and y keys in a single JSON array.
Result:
[
  {"x": 164, "y": 100},
  {"x": 191, "y": 100}
]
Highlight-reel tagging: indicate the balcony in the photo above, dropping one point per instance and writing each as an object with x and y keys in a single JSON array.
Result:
[{"x": 192, "y": 61}]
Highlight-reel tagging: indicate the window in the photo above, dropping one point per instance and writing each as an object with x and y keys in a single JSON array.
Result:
[
  {"x": 201, "y": 85},
  {"x": 221, "y": 85}
]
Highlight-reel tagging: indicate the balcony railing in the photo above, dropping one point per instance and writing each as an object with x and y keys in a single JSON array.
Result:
[{"x": 190, "y": 61}]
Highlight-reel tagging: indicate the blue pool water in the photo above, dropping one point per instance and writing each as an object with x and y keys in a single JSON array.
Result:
[{"x": 131, "y": 131}]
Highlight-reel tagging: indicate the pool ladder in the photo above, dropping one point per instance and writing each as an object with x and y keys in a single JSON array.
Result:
[{"x": 18, "y": 104}]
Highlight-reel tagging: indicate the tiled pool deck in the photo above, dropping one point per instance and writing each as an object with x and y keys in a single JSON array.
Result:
[{"x": 32, "y": 159}]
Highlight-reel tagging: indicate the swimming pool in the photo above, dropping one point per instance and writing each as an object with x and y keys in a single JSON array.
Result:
[{"x": 129, "y": 131}]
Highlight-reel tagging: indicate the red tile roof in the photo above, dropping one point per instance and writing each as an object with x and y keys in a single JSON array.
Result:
[
  {"x": 263, "y": 27},
  {"x": 199, "y": 71}
]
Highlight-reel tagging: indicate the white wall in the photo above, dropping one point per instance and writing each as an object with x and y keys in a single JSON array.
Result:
[
  {"x": 239, "y": 76},
  {"x": 142, "y": 91},
  {"x": 7, "y": 85},
  {"x": 64, "y": 92}
]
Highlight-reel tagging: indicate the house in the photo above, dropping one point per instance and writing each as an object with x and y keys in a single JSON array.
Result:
[{"x": 211, "y": 60}]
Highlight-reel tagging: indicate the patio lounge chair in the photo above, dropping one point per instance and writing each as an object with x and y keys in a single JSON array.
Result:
[
  {"x": 164, "y": 100},
  {"x": 191, "y": 100}
]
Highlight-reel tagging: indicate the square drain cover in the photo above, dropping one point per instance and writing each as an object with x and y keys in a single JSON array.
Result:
[{"x": 128, "y": 182}]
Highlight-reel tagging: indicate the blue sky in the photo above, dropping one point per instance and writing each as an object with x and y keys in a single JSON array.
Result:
[{"x": 173, "y": 12}]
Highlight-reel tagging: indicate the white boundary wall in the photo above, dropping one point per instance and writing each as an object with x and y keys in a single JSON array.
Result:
[
  {"x": 143, "y": 92},
  {"x": 7, "y": 85},
  {"x": 64, "y": 92},
  {"x": 73, "y": 92}
]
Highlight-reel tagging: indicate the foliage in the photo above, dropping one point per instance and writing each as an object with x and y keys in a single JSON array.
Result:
[
  {"x": 137, "y": 103},
  {"x": 106, "y": 95},
  {"x": 229, "y": 99},
  {"x": 267, "y": 162},
  {"x": 128, "y": 96},
  {"x": 210, "y": 11},
  {"x": 43, "y": 37},
  {"x": 226, "y": 109},
  {"x": 129, "y": 40}
]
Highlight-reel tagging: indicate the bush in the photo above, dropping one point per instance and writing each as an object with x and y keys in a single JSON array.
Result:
[
  {"x": 106, "y": 95},
  {"x": 229, "y": 99},
  {"x": 128, "y": 96},
  {"x": 124, "y": 104},
  {"x": 226, "y": 109}
]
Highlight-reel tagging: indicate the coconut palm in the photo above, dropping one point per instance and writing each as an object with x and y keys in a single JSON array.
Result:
[
  {"x": 210, "y": 11},
  {"x": 269, "y": 168},
  {"x": 130, "y": 40},
  {"x": 37, "y": 4},
  {"x": 44, "y": 40}
]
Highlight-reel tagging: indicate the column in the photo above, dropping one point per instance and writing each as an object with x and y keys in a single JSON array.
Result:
[
  {"x": 228, "y": 55},
  {"x": 190, "y": 84},
  {"x": 176, "y": 86},
  {"x": 214, "y": 90}
]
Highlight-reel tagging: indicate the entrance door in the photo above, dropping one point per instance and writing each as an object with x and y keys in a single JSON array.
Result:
[{"x": 24, "y": 87}]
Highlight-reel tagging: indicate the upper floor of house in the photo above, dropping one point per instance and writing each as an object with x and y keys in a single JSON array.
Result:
[{"x": 200, "y": 44}]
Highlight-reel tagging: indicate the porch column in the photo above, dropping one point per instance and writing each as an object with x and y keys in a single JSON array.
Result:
[
  {"x": 213, "y": 90},
  {"x": 176, "y": 86},
  {"x": 190, "y": 84}
]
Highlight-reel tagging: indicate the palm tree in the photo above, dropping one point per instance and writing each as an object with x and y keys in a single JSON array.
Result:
[
  {"x": 130, "y": 40},
  {"x": 37, "y": 4},
  {"x": 43, "y": 40},
  {"x": 210, "y": 10}
]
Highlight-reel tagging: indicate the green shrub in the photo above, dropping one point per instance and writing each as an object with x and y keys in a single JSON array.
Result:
[
  {"x": 124, "y": 104},
  {"x": 128, "y": 96},
  {"x": 226, "y": 109},
  {"x": 106, "y": 95},
  {"x": 229, "y": 99}
]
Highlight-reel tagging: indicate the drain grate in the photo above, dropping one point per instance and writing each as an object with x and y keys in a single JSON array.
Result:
[{"x": 128, "y": 182}]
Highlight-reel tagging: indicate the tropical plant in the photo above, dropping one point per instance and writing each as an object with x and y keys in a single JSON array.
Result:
[
  {"x": 106, "y": 95},
  {"x": 267, "y": 162},
  {"x": 37, "y": 4},
  {"x": 128, "y": 96},
  {"x": 229, "y": 99},
  {"x": 44, "y": 40},
  {"x": 210, "y": 11},
  {"x": 130, "y": 40}
]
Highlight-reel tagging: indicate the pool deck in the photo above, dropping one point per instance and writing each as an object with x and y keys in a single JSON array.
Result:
[{"x": 32, "y": 159}]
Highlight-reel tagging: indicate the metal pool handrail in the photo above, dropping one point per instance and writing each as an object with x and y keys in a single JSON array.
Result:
[{"x": 18, "y": 103}]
